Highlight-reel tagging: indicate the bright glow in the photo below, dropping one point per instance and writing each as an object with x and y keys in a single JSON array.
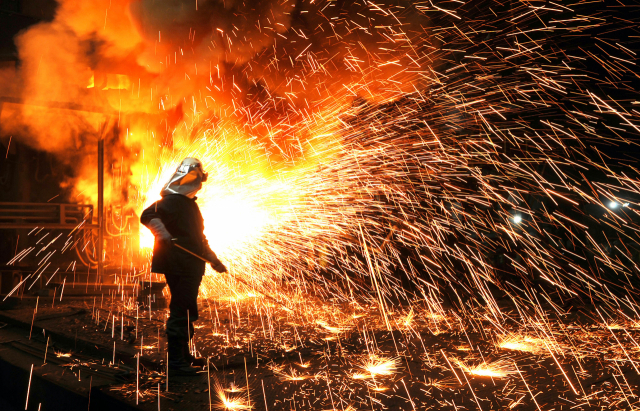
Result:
[
  {"x": 485, "y": 370},
  {"x": 333, "y": 330},
  {"x": 613, "y": 205},
  {"x": 235, "y": 402},
  {"x": 234, "y": 388},
  {"x": 233, "y": 214},
  {"x": 408, "y": 319},
  {"x": 146, "y": 238},
  {"x": 517, "y": 219},
  {"x": 497, "y": 369},
  {"x": 238, "y": 219},
  {"x": 291, "y": 375},
  {"x": 376, "y": 365},
  {"x": 526, "y": 344},
  {"x": 153, "y": 195}
]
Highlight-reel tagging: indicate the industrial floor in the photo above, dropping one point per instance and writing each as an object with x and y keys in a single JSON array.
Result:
[{"x": 104, "y": 354}]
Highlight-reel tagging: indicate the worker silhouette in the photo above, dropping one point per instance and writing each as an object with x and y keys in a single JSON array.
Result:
[{"x": 177, "y": 218}]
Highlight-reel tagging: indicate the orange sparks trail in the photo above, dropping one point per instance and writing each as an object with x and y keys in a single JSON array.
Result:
[{"x": 428, "y": 202}]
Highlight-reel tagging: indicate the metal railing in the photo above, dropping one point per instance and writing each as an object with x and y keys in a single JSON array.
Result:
[{"x": 46, "y": 215}]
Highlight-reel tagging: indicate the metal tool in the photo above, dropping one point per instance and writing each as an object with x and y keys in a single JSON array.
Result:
[{"x": 267, "y": 296}]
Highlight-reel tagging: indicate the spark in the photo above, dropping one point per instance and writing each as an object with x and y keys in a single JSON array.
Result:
[
  {"x": 231, "y": 402},
  {"x": 497, "y": 369},
  {"x": 375, "y": 365},
  {"x": 293, "y": 375},
  {"x": 523, "y": 343},
  {"x": 452, "y": 162}
]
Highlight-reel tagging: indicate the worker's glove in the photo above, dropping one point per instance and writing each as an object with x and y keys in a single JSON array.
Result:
[
  {"x": 215, "y": 263},
  {"x": 159, "y": 231}
]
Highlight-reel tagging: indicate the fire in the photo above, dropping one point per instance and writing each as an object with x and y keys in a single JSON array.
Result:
[{"x": 110, "y": 81}]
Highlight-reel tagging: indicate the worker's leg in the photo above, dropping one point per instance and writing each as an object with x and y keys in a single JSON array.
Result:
[{"x": 183, "y": 310}]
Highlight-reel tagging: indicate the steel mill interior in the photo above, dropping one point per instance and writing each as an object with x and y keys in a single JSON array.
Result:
[{"x": 319, "y": 205}]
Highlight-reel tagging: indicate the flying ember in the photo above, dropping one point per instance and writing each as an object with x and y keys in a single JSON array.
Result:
[{"x": 320, "y": 204}]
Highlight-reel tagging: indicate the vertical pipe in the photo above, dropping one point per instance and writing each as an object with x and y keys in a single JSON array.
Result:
[{"x": 100, "y": 206}]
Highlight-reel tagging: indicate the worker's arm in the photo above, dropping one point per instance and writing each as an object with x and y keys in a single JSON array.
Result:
[
  {"x": 152, "y": 219},
  {"x": 216, "y": 264}
]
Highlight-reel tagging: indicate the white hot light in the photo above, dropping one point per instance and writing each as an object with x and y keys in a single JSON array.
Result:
[{"x": 517, "y": 219}]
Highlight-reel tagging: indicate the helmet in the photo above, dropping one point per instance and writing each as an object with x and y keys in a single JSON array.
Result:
[{"x": 187, "y": 180}]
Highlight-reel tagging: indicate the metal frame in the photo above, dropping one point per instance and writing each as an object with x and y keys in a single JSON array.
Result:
[
  {"x": 46, "y": 215},
  {"x": 62, "y": 214}
]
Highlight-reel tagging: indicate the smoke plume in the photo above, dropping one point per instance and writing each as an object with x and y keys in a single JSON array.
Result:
[{"x": 149, "y": 74}]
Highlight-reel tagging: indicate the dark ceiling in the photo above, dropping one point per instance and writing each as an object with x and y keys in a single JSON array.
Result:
[{"x": 16, "y": 15}]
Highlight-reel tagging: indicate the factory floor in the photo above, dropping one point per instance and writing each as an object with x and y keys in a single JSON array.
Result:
[{"x": 318, "y": 355}]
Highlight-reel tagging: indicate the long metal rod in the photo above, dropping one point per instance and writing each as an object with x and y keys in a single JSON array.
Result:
[
  {"x": 57, "y": 105},
  {"x": 100, "y": 206},
  {"x": 268, "y": 297}
]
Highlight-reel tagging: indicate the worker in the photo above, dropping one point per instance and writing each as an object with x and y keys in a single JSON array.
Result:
[{"x": 177, "y": 218}]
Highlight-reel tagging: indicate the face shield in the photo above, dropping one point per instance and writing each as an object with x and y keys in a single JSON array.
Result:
[{"x": 187, "y": 180}]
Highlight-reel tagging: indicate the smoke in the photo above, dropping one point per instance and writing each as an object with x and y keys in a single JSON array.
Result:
[{"x": 152, "y": 72}]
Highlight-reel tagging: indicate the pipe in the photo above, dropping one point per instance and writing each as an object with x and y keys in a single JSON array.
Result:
[
  {"x": 59, "y": 105},
  {"x": 100, "y": 206}
]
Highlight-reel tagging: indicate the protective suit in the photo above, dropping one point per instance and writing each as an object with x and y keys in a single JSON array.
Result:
[{"x": 177, "y": 218}]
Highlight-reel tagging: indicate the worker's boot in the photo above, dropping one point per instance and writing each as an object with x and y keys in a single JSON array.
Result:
[
  {"x": 191, "y": 359},
  {"x": 178, "y": 364}
]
